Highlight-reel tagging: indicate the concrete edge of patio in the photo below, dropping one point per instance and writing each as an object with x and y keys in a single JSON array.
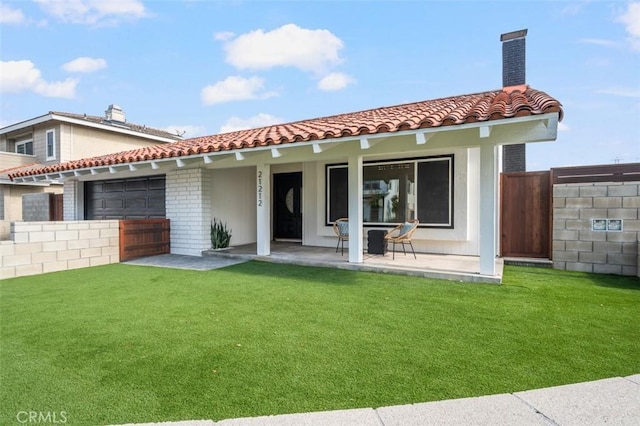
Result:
[
  {"x": 372, "y": 263},
  {"x": 613, "y": 401}
]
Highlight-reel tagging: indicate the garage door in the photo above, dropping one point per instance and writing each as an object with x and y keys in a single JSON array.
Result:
[{"x": 139, "y": 198}]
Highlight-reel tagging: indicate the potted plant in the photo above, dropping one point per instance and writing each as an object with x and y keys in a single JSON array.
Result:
[{"x": 220, "y": 235}]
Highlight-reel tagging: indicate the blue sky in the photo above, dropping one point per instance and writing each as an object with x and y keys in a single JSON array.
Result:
[{"x": 204, "y": 67}]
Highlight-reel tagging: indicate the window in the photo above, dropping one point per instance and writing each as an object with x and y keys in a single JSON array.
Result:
[
  {"x": 397, "y": 191},
  {"x": 51, "y": 144},
  {"x": 24, "y": 147}
]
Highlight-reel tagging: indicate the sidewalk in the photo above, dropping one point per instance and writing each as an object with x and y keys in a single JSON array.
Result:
[{"x": 614, "y": 401}]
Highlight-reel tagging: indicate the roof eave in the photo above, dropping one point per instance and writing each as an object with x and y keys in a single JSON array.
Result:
[
  {"x": 549, "y": 120},
  {"x": 61, "y": 118}
]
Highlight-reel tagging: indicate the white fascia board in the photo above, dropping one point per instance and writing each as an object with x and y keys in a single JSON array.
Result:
[
  {"x": 54, "y": 117},
  {"x": 549, "y": 120},
  {"x": 27, "y": 123}
]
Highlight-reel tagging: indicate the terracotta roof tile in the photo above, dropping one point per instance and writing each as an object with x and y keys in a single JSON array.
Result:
[{"x": 515, "y": 101}]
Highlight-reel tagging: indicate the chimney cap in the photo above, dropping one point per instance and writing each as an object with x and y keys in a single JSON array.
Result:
[{"x": 513, "y": 35}]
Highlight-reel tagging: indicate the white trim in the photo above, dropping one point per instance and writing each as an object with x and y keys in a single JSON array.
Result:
[
  {"x": 322, "y": 146},
  {"x": 51, "y": 117}
]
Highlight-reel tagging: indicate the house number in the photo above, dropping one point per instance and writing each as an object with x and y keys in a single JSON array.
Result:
[{"x": 259, "y": 188}]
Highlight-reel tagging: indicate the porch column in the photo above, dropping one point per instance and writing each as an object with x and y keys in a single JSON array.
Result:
[
  {"x": 488, "y": 209},
  {"x": 263, "y": 204},
  {"x": 355, "y": 209}
]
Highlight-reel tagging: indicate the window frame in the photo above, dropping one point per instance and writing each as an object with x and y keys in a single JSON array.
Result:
[
  {"x": 24, "y": 143},
  {"x": 450, "y": 158},
  {"x": 53, "y": 144}
]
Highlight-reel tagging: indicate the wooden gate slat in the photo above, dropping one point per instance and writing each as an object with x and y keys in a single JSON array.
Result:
[
  {"x": 525, "y": 214},
  {"x": 144, "y": 237}
]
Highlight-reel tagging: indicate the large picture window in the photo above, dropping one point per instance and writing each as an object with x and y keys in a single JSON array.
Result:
[{"x": 397, "y": 191}]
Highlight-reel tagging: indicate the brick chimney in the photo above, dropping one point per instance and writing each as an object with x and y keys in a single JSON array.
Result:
[
  {"x": 115, "y": 113},
  {"x": 514, "y": 158}
]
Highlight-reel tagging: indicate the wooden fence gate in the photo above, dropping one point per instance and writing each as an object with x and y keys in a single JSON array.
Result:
[
  {"x": 525, "y": 214},
  {"x": 144, "y": 237}
]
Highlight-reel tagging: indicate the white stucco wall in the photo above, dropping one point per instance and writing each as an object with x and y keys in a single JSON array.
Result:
[{"x": 233, "y": 201}]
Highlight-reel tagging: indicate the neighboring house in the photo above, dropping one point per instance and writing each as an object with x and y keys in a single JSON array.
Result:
[
  {"x": 59, "y": 137},
  {"x": 435, "y": 160}
]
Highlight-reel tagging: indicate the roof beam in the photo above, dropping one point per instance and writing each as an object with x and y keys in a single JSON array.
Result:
[
  {"x": 275, "y": 153},
  {"x": 112, "y": 170},
  {"x": 207, "y": 159},
  {"x": 322, "y": 147},
  {"x": 422, "y": 138},
  {"x": 239, "y": 156},
  {"x": 132, "y": 168},
  {"x": 154, "y": 165},
  {"x": 180, "y": 163},
  {"x": 485, "y": 131}
]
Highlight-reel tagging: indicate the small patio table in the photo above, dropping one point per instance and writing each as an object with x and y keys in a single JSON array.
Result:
[{"x": 376, "y": 243}]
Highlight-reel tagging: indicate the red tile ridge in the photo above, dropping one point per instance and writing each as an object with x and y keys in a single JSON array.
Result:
[{"x": 520, "y": 88}]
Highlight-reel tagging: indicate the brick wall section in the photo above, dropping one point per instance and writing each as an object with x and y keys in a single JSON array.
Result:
[
  {"x": 70, "y": 200},
  {"x": 579, "y": 248},
  {"x": 41, "y": 247},
  {"x": 188, "y": 206}
]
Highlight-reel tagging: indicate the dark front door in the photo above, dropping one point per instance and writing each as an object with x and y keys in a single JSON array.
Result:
[{"x": 287, "y": 211}]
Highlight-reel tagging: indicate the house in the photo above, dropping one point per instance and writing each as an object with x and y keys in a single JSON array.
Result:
[
  {"x": 436, "y": 160},
  {"x": 59, "y": 137}
]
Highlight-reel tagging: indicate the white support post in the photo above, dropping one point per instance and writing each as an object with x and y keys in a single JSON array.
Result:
[
  {"x": 488, "y": 209},
  {"x": 355, "y": 209},
  {"x": 263, "y": 205}
]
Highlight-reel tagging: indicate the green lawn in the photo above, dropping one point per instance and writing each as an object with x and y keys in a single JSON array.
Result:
[{"x": 123, "y": 343}]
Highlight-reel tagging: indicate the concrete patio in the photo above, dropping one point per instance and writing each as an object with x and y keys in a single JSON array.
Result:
[{"x": 448, "y": 267}]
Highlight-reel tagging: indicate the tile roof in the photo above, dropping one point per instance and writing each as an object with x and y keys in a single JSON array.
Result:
[
  {"x": 517, "y": 101},
  {"x": 128, "y": 126},
  {"x": 5, "y": 173}
]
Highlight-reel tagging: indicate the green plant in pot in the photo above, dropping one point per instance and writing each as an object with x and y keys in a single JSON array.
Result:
[{"x": 220, "y": 235}]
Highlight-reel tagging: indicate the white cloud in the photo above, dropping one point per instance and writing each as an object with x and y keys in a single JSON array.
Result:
[
  {"x": 223, "y": 35},
  {"x": 563, "y": 127},
  {"x": 335, "y": 81},
  {"x": 9, "y": 15},
  {"x": 186, "y": 131},
  {"x": 94, "y": 12},
  {"x": 631, "y": 20},
  {"x": 234, "y": 88},
  {"x": 598, "y": 42},
  {"x": 289, "y": 45},
  {"x": 85, "y": 64},
  {"x": 18, "y": 76},
  {"x": 260, "y": 120},
  {"x": 621, "y": 91}
]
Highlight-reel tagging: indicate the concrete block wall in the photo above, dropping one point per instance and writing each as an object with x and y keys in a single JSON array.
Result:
[
  {"x": 41, "y": 247},
  {"x": 188, "y": 206},
  {"x": 36, "y": 207},
  {"x": 577, "y": 247}
]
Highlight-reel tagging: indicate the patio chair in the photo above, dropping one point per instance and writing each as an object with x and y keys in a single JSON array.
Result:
[
  {"x": 341, "y": 228},
  {"x": 402, "y": 234}
]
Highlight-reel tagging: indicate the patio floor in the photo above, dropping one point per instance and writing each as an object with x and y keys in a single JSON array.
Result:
[{"x": 449, "y": 267}]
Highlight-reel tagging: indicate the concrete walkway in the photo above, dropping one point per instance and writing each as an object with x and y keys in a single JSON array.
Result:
[
  {"x": 186, "y": 262},
  {"x": 614, "y": 401}
]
